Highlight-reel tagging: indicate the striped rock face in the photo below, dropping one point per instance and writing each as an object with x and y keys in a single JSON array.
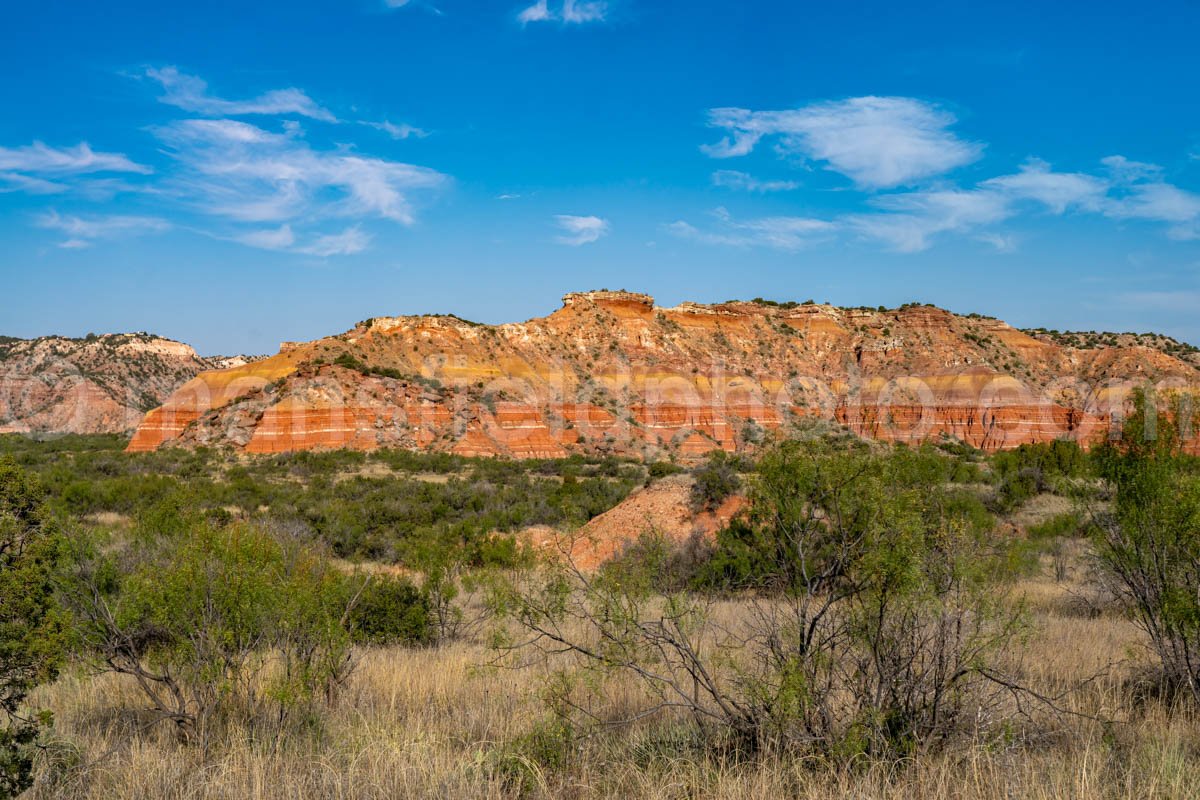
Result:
[{"x": 611, "y": 373}]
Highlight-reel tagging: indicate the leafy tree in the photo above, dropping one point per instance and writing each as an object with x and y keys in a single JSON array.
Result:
[
  {"x": 30, "y": 627},
  {"x": 197, "y": 617},
  {"x": 1148, "y": 546}
]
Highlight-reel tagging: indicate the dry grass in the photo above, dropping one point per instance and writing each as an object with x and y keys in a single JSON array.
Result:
[{"x": 435, "y": 723}]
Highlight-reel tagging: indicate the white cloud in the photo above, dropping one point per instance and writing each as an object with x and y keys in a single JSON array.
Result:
[
  {"x": 580, "y": 230},
  {"x": 16, "y": 182},
  {"x": 280, "y": 238},
  {"x": 569, "y": 12},
  {"x": 912, "y": 219},
  {"x": 84, "y": 231},
  {"x": 578, "y": 11},
  {"x": 191, "y": 94},
  {"x": 1158, "y": 201},
  {"x": 243, "y": 172},
  {"x": 1141, "y": 193},
  {"x": 1003, "y": 243},
  {"x": 42, "y": 159},
  {"x": 1058, "y": 191},
  {"x": 398, "y": 132},
  {"x": 877, "y": 142},
  {"x": 41, "y": 169},
  {"x": 1125, "y": 171},
  {"x": 538, "y": 12},
  {"x": 780, "y": 233},
  {"x": 732, "y": 179},
  {"x": 348, "y": 242},
  {"x": 395, "y": 3}
]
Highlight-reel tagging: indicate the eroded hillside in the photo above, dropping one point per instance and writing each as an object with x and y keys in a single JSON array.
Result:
[
  {"x": 610, "y": 372},
  {"x": 99, "y": 384}
]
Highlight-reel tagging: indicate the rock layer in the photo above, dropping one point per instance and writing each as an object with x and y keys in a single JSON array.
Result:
[{"x": 610, "y": 372}]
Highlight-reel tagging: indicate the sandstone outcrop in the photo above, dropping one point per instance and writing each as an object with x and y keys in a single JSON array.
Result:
[{"x": 611, "y": 373}]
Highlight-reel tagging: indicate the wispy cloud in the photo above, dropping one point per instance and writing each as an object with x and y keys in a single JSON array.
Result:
[
  {"x": 41, "y": 158},
  {"x": 41, "y": 169},
  {"x": 280, "y": 238},
  {"x": 780, "y": 233},
  {"x": 1124, "y": 170},
  {"x": 85, "y": 231},
  {"x": 1161, "y": 202},
  {"x": 348, "y": 242},
  {"x": 1004, "y": 243},
  {"x": 580, "y": 230},
  {"x": 732, "y": 179},
  {"x": 398, "y": 132},
  {"x": 877, "y": 142},
  {"x": 910, "y": 220},
  {"x": 1058, "y": 191},
  {"x": 243, "y": 172},
  {"x": 569, "y": 12},
  {"x": 1139, "y": 192},
  {"x": 191, "y": 94}
]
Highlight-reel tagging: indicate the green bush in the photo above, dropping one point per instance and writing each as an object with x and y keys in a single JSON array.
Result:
[
  {"x": 1148, "y": 547},
  {"x": 390, "y": 611},
  {"x": 661, "y": 469},
  {"x": 198, "y": 618},
  {"x": 714, "y": 481},
  {"x": 31, "y": 631}
]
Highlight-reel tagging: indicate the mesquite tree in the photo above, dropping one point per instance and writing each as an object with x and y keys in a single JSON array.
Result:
[
  {"x": 30, "y": 628},
  {"x": 867, "y": 617},
  {"x": 1148, "y": 545}
]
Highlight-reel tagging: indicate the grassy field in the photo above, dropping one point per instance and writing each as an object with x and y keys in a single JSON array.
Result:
[
  {"x": 450, "y": 713},
  {"x": 442, "y": 722}
]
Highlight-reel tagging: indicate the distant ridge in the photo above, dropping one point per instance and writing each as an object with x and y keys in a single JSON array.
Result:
[{"x": 94, "y": 384}]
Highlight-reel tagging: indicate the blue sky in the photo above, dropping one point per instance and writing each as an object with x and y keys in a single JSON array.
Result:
[{"x": 233, "y": 174}]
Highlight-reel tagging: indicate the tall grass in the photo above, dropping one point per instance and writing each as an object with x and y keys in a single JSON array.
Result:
[{"x": 425, "y": 723}]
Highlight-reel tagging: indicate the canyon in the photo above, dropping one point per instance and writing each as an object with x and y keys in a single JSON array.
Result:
[{"x": 611, "y": 373}]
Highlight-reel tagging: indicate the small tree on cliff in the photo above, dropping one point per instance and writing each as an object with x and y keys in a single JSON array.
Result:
[{"x": 30, "y": 629}]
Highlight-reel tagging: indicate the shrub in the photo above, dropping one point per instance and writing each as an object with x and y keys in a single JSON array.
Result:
[
  {"x": 1148, "y": 547},
  {"x": 30, "y": 628},
  {"x": 714, "y": 481},
  {"x": 197, "y": 618},
  {"x": 661, "y": 469},
  {"x": 390, "y": 611}
]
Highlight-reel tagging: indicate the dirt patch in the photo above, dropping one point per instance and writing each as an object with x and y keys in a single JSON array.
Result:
[{"x": 662, "y": 508}]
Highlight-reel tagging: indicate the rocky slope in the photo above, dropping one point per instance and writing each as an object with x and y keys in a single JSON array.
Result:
[
  {"x": 101, "y": 384},
  {"x": 610, "y": 372},
  {"x": 662, "y": 509}
]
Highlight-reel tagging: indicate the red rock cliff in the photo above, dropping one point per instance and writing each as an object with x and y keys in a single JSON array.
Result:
[{"x": 610, "y": 372}]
